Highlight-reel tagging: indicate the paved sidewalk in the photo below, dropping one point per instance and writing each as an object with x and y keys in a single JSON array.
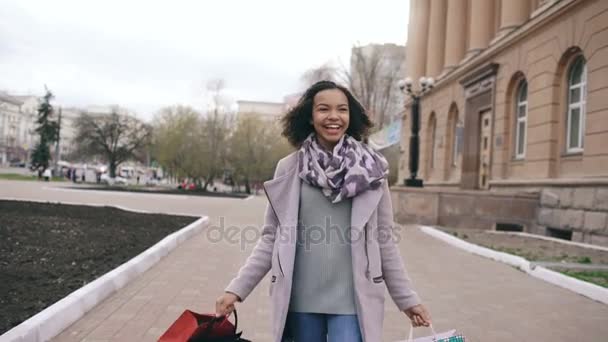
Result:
[{"x": 486, "y": 300}]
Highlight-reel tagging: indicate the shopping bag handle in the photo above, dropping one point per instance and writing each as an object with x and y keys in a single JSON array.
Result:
[
  {"x": 411, "y": 335},
  {"x": 221, "y": 318}
]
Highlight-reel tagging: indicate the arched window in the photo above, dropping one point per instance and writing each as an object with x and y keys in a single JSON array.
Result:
[
  {"x": 433, "y": 146},
  {"x": 577, "y": 105},
  {"x": 453, "y": 137},
  {"x": 521, "y": 109},
  {"x": 457, "y": 143}
]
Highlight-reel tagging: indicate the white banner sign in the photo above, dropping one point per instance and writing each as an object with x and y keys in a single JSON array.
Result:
[{"x": 387, "y": 136}]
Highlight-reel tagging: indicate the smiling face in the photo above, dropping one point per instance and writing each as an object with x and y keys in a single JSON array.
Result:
[{"x": 330, "y": 117}]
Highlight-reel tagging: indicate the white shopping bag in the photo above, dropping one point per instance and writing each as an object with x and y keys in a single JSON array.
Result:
[{"x": 448, "y": 336}]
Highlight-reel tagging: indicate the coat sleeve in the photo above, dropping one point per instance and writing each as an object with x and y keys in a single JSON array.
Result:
[
  {"x": 260, "y": 260},
  {"x": 395, "y": 275}
]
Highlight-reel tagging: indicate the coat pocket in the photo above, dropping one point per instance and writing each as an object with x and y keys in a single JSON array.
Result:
[
  {"x": 378, "y": 279},
  {"x": 276, "y": 266},
  {"x": 374, "y": 256}
]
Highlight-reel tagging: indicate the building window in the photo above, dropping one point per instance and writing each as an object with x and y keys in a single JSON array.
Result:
[
  {"x": 457, "y": 144},
  {"x": 577, "y": 105},
  {"x": 521, "y": 109}
]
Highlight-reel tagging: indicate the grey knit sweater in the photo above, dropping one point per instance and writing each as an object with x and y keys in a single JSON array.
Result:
[{"x": 323, "y": 274}]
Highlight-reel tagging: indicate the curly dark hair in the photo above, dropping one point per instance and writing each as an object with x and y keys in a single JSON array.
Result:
[{"x": 296, "y": 122}]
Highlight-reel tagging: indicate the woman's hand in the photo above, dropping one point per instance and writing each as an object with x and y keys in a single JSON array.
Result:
[
  {"x": 418, "y": 315},
  {"x": 224, "y": 305}
]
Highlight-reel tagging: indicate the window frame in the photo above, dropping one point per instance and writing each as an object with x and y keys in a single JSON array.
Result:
[
  {"x": 456, "y": 141},
  {"x": 523, "y": 119},
  {"x": 581, "y": 105}
]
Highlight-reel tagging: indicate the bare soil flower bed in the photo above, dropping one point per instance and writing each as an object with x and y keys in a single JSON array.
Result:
[{"x": 49, "y": 250}]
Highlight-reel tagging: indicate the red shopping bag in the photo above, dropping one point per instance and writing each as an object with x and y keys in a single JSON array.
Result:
[{"x": 195, "y": 327}]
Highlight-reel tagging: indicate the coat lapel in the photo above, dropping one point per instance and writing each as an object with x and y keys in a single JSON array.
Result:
[{"x": 283, "y": 194}]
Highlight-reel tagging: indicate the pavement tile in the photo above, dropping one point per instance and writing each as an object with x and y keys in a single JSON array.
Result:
[{"x": 485, "y": 300}]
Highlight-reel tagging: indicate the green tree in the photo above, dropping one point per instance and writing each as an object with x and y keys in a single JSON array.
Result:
[
  {"x": 255, "y": 147},
  {"x": 47, "y": 130},
  {"x": 188, "y": 145},
  {"x": 178, "y": 141},
  {"x": 114, "y": 137}
]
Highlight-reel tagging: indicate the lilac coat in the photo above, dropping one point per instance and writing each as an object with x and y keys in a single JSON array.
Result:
[{"x": 376, "y": 260}]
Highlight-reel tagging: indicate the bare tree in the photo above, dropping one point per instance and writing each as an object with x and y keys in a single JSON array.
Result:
[
  {"x": 325, "y": 72},
  {"x": 114, "y": 137},
  {"x": 373, "y": 76},
  {"x": 215, "y": 130}
]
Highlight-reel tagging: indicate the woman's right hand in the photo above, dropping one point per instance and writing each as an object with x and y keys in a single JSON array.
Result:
[{"x": 224, "y": 305}]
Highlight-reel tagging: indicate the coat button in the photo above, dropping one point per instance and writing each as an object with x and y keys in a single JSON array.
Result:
[{"x": 273, "y": 279}]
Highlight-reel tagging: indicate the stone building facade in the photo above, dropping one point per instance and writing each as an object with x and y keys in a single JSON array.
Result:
[
  {"x": 267, "y": 111},
  {"x": 514, "y": 132},
  {"x": 17, "y": 128}
]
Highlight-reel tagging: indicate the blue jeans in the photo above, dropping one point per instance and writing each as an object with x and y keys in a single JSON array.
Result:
[{"x": 314, "y": 327}]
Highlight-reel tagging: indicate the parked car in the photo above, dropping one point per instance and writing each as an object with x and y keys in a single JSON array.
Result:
[
  {"x": 185, "y": 185},
  {"x": 151, "y": 182},
  {"x": 105, "y": 179},
  {"x": 17, "y": 163}
]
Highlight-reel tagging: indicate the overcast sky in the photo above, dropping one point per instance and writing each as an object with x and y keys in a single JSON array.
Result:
[{"x": 143, "y": 55}]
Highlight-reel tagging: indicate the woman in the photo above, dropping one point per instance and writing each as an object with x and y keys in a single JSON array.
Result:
[{"x": 328, "y": 281}]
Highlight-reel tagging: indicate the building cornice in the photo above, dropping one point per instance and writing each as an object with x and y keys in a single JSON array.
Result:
[
  {"x": 551, "y": 12},
  {"x": 479, "y": 74},
  {"x": 10, "y": 99}
]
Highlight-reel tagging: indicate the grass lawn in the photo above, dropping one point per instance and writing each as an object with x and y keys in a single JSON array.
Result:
[
  {"x": 540, "y": 250},
  {"x": 596, "y": 277}
]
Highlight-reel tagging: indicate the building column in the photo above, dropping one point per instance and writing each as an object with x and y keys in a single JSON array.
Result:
[
  {"x": 513, "y": 13},
  {"x": 481, "y": 26},
  {"x": 415, "y": 56},
  {"x": 436, "y": 43},
  {"x": 456, "y": 34},
  {"x": 418, "y": 29}
]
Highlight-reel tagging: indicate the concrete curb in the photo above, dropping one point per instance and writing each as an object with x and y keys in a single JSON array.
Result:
[
  {"x": 53, "y": 320},
  {"x": 586, "y": 289},
  {"x": 547, "y": 238},
  {"x": 98, "y": 205}
]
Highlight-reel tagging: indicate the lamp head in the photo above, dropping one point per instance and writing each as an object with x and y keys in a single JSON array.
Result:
[
  {"x": 401, "y": 84},
  {"x": 405, "y": 83}
]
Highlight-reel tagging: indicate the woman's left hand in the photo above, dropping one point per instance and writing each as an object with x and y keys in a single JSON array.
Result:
[{"x": 418, "y": 315}]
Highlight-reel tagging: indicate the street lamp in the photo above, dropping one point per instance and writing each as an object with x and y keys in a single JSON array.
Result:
[{"x": 426, "y": 84}]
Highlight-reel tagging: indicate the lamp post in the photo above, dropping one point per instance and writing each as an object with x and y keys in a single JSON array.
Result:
[{"x": 426, "y": 84}]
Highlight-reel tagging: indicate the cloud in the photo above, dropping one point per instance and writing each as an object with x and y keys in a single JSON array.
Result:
[{"x": 147, "y": 54}]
